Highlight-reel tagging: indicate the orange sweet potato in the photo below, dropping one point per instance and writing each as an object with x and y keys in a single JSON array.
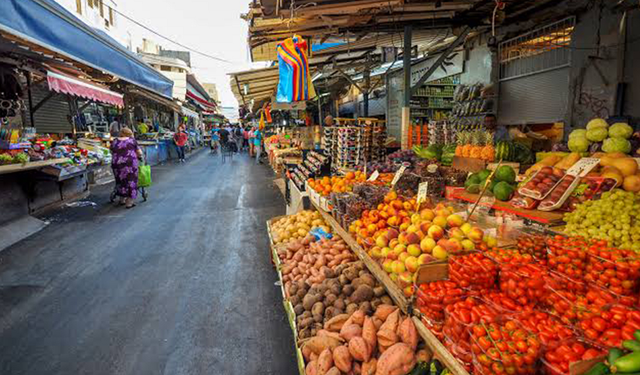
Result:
[
  {"x": 335, "y": 335},
  {"x": 306, "y": 353},
  {"x": 342, "y": 358},
  {"x": 369, "y": 333},
  {"x": 408, "y": 333},
  {"x": 325, "y": 361},
  {"x": 369, "y": 368},
  {"x": 350, "y": 331},
  {"x": 392, "y": 321},
  {"x": 358, "y": 317},
  {"x": 333, "y": 371},
  {"x": 397, "y": 360},
  {"x": 377, "y": 322},
  {"x": 359, "y": 349},
  {"x": 335, "y": 324},
  {"x": 312, "y": 368},
  {"x": 387, "y": 337},
  {"x": 383, "y": 311},
  {"x": 317, "y": 344}
]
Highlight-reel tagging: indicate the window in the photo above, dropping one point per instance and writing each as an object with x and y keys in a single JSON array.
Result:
[
  {"x": 101, "y": 6},
  {"x": 165, "y": 68},
  {"x": 111, "y": 15},
  {"x": 539, "y": 50},
  {"x": 90, "y": 2},
  {"x": 79, "y": 6}
]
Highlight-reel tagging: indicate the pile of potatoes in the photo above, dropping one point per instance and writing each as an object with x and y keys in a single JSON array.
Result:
[
  {"x": 312, "y": 262},
  {"x": 346, "y": 289},
  {"x": 297, "y": 226},
  {"x": 382, "y": 343}
]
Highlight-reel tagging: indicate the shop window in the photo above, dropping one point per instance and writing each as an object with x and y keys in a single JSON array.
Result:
[{"x": 540, "y": 50}]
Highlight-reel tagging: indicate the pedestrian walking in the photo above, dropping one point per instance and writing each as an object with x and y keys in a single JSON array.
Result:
[
  {"x": 257, "y": 139},
  {"x": 252, "y": 145},
  {"x": 245, "y": 143},
  {"x": 215, "y": 139},
  {"x": 239, "y": 137},
  {"x": 124, "y": 162},
  {"x": 180, "y": 138}
]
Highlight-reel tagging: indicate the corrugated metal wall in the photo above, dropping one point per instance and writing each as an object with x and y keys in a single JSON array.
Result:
[{"x": 53, "y": 116}]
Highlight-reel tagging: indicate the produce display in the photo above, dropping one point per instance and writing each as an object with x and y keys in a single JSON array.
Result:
[
  {"x": 501, "y": 185},
  {"x": 297, "y": 226}
]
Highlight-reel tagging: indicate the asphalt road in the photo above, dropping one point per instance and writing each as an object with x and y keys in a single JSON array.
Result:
[{"x": 181, "y": 284}]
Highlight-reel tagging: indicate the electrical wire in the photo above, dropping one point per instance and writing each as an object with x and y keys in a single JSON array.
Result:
[{"x": 171, "y": 40}]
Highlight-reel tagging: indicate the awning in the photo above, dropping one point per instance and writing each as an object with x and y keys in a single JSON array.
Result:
[
  {"x": 188, "y": 112},
  {"x": 48, "y": 24},
  {"x": 200, "y": 100},
  {"x": 155, "y": 98},
  {"x": 67, "y": 85}
]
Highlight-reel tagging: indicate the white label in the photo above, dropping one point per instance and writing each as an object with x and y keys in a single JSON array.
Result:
[
  {"x": 399, "y": 174},
  {"x": 422, "y": 191},
  {"x": 583, "y": 167},
  {"x": 374, "y": 176}
]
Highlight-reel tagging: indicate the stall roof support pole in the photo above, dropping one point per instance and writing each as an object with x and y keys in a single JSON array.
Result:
[
  {"x": 28, "y": 74},
  {"x": 367, "y": 86},
  {"x": 406, "y": 110},
  {"x": 459, "y": 40}
]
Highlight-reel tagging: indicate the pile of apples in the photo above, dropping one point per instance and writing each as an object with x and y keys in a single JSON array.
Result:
[{"x": 408, "y": 239}]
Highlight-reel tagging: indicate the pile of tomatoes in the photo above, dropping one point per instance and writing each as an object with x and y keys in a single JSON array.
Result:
[
  {"x": 505, "y": 304},
  {"x": 523, "y": 283},
  {"x": 615, "y": 269},
  {"x": 556, "y": 361},
  {"x": 460, "y": 316},
  {"x": 612, "y": 325},
  {"x": 533, "y": 244},
  {"x": 568, "y": 255},
  {"x": 474, "y": 271},
  {"x": 504, "y": 349},
  {"x": 434, "y": 297},
  {"x": 509, "y": 256},
  {"x": 549, "y": 329}
]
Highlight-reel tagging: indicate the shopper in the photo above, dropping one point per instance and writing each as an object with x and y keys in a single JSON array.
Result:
[
  {"x": 252, "y": 146},
  {"x": 224, "y": 138},
  {"x": 180, "y": 138},
  {"x": 215, "y": 139},
  {"x": 239, "y": 137},
  {"x": 124, "y": 162},
  {"x": 245, "y": 143},
  {"x": 258, "y": 144}
]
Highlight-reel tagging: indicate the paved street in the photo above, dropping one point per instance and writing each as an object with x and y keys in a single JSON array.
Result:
[{"x": 181, "y": 284}]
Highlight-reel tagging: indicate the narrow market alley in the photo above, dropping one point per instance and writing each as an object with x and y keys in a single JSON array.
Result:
[{"x": 181, "y": 284}]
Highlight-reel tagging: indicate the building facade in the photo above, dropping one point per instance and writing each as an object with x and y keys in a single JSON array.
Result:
[{"x": 101, "y": 15}]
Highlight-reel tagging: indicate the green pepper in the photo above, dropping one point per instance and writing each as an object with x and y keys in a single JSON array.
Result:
[
  {"x": 598, "y": 369},
  {"x": 627, "y": 363},
  {"x": 614, "y": 354},
  {"x": 632, "y": 345}
]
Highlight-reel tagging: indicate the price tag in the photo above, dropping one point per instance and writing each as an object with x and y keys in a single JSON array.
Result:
[
  {"x": 583, "y": 167},
  {"x": 399, "y": 174},
  {"x": 374, "y": 176},
  {"x": 422, "y": 192}
]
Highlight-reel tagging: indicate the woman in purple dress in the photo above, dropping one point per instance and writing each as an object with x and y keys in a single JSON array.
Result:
[{"x": 124, "y": 162}]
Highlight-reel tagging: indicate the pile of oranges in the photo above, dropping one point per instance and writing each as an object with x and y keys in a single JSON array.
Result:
[{"x": 327, "y": 185}]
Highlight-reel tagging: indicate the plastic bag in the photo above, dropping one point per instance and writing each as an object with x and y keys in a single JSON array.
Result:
[{"x": 144, "y": 176}]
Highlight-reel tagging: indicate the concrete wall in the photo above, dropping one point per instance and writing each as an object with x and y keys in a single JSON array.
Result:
[{"x": 479, "y": 64}]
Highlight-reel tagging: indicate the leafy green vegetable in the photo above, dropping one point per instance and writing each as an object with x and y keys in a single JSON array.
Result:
[
  {"x": 578, "y": 144},
  {"x": 615, "y": 144},
  {"x": 597, "y": 134},
  {"x": 578, "y": 133},
  {"x": 620, "y": 130}
]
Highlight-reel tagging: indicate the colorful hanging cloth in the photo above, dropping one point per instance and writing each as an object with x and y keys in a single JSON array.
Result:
[{"x": 295, "y": 81}]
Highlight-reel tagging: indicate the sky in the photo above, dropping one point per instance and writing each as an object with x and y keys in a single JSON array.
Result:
[{"x": 213, "y": 27}]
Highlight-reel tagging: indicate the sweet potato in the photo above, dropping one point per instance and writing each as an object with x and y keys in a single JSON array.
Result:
[
  {"x": 369, "y": 333},
  {"x": 333, "y": 371},
  {"x": 312, "y": 368},
  {"x": 350, "y": 331},
  {"x": 423, "y": 355},
  {"x": 392, "y": 321},
  {"x": 397, "y": 360},
  {"x": 342, "y": 358},
  {"x": 335, "y": 335},
  {"x": 306, "y": 353},
  {"x": 387, "y": 337},
  {"x": 377, "y": 322},
  {"x": 357, "y": 369},
  {"x": 359, "y": 349},
  {"x": 335, "y": 324},
  {"x": 325, "y": 361},
  {"x": 408, "y": 334},
  {"x": 358, "y": 318},
  {"x": 369, "y": 368},
  {"x": 319, "y": 343},
  {"x": 383, "y": 311}
]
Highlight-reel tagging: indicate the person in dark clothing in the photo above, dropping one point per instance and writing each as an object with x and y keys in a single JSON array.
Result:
[
  {"x": 239, "y": 137},
  {"x": 224, "y": 136}
]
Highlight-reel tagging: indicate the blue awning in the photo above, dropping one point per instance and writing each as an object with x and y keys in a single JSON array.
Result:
[{"x": 48, "y": 24}]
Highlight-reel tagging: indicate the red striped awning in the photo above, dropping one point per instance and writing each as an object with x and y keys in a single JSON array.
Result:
[
  {"x": 200, "y": 100},
  {"x": 72, "y": 86}
]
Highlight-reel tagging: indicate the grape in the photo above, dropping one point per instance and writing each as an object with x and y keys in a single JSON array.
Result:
[{"x": 614, "y": 217}]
